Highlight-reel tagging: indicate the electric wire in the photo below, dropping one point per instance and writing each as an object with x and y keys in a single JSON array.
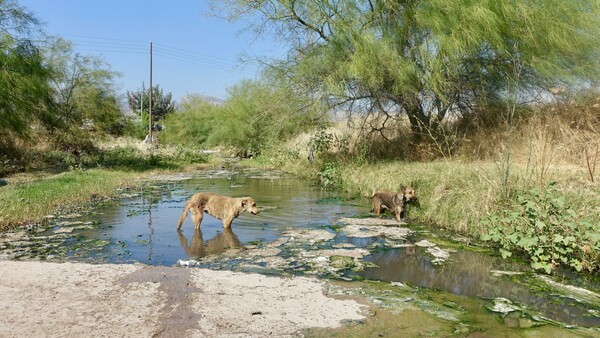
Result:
[{"x": 95, "y": 44}]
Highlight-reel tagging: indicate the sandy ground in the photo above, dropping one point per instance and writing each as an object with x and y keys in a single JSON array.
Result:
[{"x": 40, "y": 299}]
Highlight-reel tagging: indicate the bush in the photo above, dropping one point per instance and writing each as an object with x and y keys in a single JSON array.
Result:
[
  {"x": 192, "y": 124},
  {"x": 546, "y": 230},
  {"x": 329, "y": 175}
]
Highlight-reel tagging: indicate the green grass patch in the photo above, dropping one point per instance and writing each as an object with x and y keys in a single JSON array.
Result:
[{"x": 31, "y": 201}]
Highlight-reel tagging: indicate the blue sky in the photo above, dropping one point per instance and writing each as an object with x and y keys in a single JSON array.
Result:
[{"x": 192, "y": 53}]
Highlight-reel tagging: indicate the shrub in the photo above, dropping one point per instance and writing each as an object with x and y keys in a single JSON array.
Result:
[
  {"x": 329, "y": 175},
  {"x": 546, "y": 230}
]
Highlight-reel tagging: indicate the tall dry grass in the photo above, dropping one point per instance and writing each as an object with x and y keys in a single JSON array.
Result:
[{"x": 556, "y": 142}]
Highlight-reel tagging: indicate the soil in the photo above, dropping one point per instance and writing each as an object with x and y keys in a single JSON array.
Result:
[{"x": 108, "y": 300}]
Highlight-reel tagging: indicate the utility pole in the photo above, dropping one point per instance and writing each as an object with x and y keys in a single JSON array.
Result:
[
  {"x": 142, "y": 102},
  {"x": 150, "y": 97}
]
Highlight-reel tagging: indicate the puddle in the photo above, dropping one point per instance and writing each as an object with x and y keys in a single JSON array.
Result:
[{"x": 303, "y": 230}]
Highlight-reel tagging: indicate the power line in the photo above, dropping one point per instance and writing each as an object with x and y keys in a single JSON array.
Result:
[
  {"x": 104, "y": 38},
  {"x": 96, "y": 44},
  {"x": 195, "y": 60},
  {"x": 110, "y": 51},
  {"x": 112, "y": 42},
  {"x": 191, "y": 53}
]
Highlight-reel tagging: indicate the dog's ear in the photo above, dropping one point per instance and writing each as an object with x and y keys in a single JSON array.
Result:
[
  {"x": 244, "y": 202},
  {"x": 402, "y": 188}
]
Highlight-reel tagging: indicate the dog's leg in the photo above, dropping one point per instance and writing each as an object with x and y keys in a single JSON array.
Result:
[
  {"x": 376, "y": 204},
  {"x": 183, "y": 215},
  {"x": 398, "y": 212},
  {"x": 197, "y": 215},
  {"x": 398, "y": 201},
  {"x": 227, "y": 222}
]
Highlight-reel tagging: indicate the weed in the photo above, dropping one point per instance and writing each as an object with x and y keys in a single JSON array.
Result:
[
  {"x": 543, "y": 227},
  {"x": 329, "y": 175}
]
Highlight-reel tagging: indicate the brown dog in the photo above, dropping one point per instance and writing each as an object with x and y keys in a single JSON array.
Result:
[
  {"x": 221, "y": 207},
  {"x": 393, "y": 201}
]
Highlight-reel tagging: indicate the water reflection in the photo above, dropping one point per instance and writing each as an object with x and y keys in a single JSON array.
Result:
[
  {"x": 142, "y": 226},
  {"x": 470, "y": 274},
  {"x": 220, "y": 243}
]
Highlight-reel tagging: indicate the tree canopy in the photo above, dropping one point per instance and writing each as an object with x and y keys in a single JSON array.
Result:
[
  {"x": 25, "y": 96},
  {"x": 48, "y": 88},
  {"x": 162, "y": 103},
  {"x": 427, "y": 59}
]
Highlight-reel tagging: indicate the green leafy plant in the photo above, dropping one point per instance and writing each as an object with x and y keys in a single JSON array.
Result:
[
  {"x": 322, "y": 140},
  {"x": 545, "y": 229},
  {"x": 329, "y": 175}
]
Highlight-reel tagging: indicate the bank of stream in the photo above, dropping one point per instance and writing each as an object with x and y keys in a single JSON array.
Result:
[{"x": 304, "y": 230}]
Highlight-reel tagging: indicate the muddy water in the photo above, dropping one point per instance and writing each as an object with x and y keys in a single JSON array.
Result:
[{"x": 141, "y": 227}]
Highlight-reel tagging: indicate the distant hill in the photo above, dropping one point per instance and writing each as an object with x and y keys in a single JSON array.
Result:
[{"x": 209, "y": 99}]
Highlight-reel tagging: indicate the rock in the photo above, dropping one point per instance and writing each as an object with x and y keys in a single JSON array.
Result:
[
  {"x": 425, "y": 244},
  {"x": 503, "y": 305},
  {"x": 342, "y": 262},
  {"x": 393, "y": 233},
  {"x": 526, "y": 323},
  {"x": 440, "y": 254}
]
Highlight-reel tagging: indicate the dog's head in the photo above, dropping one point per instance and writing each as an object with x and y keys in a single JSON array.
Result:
[
  {"x": 249, "y": 204},
  {"x": 409, "y": 194}
]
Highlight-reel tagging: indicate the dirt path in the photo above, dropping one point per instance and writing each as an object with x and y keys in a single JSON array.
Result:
[{"x": 76, "y": 299}]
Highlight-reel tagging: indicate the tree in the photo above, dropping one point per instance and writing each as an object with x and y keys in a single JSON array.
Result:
[
  {"x": 429, "y": 59},
  {"x": 260, "y": 113},
  {"x": 83, "y": 90},
  {"x": 162, "y": 104},
  {"x": 193, "y": 122},
  {"x": 25, "y": 97},
  {"x": 255, "y": 114}
]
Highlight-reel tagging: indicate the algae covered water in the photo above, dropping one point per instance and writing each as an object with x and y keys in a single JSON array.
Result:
[
  {"x": 305, "y": 230},
  {"x": 141, "y": 226}
]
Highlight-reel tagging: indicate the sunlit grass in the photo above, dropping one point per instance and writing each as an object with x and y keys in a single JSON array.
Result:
[{"x": 31, "y": 201}]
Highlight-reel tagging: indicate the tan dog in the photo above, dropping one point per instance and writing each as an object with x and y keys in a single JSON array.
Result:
[
  {"x": 393, "y": 201},
  {"x": 221, "y": 207}
]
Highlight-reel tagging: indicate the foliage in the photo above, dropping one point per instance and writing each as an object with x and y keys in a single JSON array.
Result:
[
  {"x": 405, "y": 58},
  {"x": 322, "y": 140},
  {"x": 547, "y": 231},
  {"x": 47, "y": 89},
  {"x": 25, "y": 95},
  {"x": 15, "y": 20},
  {"x": 162, "y": 103},
  {"x": 329, "y": 175},
  {"x": 255, "y": 116},
  {"x": 192, "y": 123},
  {"x": 83, "y": 89},
  {"x": 135, "y": 127}
]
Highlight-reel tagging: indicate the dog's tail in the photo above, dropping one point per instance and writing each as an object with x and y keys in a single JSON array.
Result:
[{"x": 183, "y": 215}]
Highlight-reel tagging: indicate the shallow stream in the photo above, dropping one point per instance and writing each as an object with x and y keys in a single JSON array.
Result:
[{"x": 303, "y": 230}]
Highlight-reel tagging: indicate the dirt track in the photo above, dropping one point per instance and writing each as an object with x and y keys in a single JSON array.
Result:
[{"x": 75, "y": 299}]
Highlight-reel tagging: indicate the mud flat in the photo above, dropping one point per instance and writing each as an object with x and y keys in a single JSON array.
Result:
[{"x": 76, "y": 299}]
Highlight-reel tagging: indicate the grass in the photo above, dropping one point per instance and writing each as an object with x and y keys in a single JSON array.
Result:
[
  {"x": 456, "y": 195},
  {"x": 33, "y": 199},
  {"x": 31, "y": 196}
]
